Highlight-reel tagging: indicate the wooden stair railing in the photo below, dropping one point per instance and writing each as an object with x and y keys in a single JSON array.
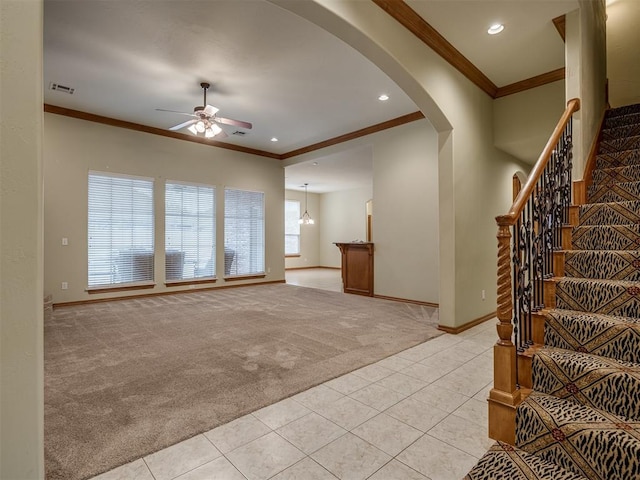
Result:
[{"x": 525, "y": 260}]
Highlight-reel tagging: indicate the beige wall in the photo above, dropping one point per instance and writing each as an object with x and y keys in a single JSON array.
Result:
[
  {"x": 523, "y": 122},
  {"x": 73, "y": 147},
  {"x": 309, "y": 234},
  {"x": 344, "y": 219},
  {"x": 405, "y": 222},
  {"x": 21, "y": 258},
  {"x": 405, "y": 180},
  {"x": 623, "y": 38},
  {"x": 586, "y": 67}
]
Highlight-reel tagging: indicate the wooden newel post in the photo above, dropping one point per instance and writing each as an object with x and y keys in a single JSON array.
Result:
[
  {"x": 505, "y": 395},
  {"x": 504, "y": 308}
]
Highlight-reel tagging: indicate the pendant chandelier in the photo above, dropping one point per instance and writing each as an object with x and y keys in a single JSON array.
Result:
[{"x": 305, "y": 219}]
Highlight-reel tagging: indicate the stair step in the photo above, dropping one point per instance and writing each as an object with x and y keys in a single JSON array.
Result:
[
  {"x": 583, "y": 440},
  {"x": 603, "y": 264},
  {"x": 621, "y": 120},
  {"x": 624, "y": 110},
  {"x": 618, "y": 192},
  {"x": 504, "y": 461},
  {"x": 619, "y": 144},
  {"x": 605, "y": 335},
  {"x": 629, "y": 130},
  {"x": 606, "y": 237},
  {"x": 613, "y": 213},
  {"x": 609, "y": 297},
  {"x": 598, "y": 382},
  {"x": 630, "y": 173},
  {"x": 617, "y": 159}
]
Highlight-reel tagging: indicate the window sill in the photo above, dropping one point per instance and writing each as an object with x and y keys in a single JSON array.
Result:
[
  {"x": 120, "y": 288},
  {"x": 293, "y": 255},
  {"x": 190, "y": 281},
  {"x": 244, "y": 277}
]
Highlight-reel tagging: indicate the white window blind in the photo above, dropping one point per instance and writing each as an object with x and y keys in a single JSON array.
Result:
[
  {"x": 291, "y": 227},
  {"x": 243, "y": 232},
  {"x": 120, "y": 229},
  {"x": 190, "y": 231}
]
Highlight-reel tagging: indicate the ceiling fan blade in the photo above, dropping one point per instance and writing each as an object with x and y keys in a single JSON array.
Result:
[
  {"x": 222, "y": 134},
  {"x": 184, "y": 124},
  {"x": 235, "y": 123},
  {"x": 210, "y": 110},
  {"x": 173, "y": 111}
]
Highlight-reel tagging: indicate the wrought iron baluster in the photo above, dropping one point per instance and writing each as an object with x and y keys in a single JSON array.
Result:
[{"x": 528, "y": 235}]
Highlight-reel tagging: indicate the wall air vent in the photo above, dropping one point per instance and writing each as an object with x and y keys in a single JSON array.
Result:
[
  {"x": 239, "y": 133},
  {"x": 61, "y": 88}
]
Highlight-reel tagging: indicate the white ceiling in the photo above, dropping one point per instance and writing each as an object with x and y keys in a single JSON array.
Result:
[
  {"x": 267, "y": 66},
  {"x": 528, "y": 46},
  {"x": 345, "y": 170}
]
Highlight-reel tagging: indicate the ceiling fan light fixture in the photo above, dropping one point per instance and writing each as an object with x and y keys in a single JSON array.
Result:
[
  {"x": 215, "y": 129},
  {"x": 206, "y": 123}
]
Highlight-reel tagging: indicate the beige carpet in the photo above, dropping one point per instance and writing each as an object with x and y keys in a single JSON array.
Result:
[{"x": 127, "y": 378}]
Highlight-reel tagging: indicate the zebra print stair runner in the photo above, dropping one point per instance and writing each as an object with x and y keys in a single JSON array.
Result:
[
  {"x": 504, "y": 461},
  {"x": 583, "y": 416}
]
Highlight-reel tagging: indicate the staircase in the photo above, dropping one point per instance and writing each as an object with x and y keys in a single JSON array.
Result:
[{"x": 581, "y": 418}]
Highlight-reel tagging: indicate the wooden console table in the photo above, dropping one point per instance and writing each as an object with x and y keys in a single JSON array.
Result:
[{"x": 357, "y": 267}]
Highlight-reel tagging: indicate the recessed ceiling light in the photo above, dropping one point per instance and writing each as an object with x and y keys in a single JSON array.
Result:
[
  {"x": 495, "y": 29},
  {"x": 383, "y": 97},
  {"x": 274, "y": 139}
]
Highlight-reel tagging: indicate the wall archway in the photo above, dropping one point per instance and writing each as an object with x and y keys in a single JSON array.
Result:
[{"x": 470, "y": 167}]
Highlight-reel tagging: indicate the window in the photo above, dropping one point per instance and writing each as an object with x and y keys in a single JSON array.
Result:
[
  {"x": 291, "y": 227},
  {"x": 120, "y": 229},
  {"x": 243, "y": 232},
  {"x": 190, "y": 231}
]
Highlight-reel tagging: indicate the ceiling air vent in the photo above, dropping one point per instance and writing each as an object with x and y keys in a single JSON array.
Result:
[
  {"x": 61, "y": 88},
  {"x": 239, "y": 133}
]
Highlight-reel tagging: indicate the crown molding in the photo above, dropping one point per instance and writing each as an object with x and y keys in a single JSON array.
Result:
[
  {"x": 417, "y": 25},
  {"x": 560, "y": 24},
  {"x": 529, "y": 83},
  {"x": 90, "y": 117},
  {"x": 395, "y": 122},
  {"x": 114, "y": 122}
]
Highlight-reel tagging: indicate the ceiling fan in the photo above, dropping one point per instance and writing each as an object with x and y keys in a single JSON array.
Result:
[{"x": 205, "y": 121}]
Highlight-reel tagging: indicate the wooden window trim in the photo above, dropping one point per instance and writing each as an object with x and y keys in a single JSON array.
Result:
[
  {"x": 244, "y": 277},
  {"x": 190, "y": 281},
  {"x": 120, "y": 288}
]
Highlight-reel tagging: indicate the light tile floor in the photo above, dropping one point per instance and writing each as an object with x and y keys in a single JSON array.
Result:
[
  {"x": 419, "y": 414},
  {"x": 322, "y": 278}
]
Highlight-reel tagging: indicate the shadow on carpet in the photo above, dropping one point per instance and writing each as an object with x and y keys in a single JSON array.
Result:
[{"x": 127, "y": 378}]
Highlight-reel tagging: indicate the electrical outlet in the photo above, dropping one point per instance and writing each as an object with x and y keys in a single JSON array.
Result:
[
  {"x": 484, "y": 296},
  {"x": 65, "y": 286},
  {"x": 65, "y": 241}
]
